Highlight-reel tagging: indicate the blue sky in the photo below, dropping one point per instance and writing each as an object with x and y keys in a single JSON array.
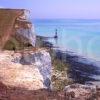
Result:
[{"x": 76, "y": 9}]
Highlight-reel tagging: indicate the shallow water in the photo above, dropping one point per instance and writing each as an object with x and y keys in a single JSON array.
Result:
[{"x": 79, "y": 36}]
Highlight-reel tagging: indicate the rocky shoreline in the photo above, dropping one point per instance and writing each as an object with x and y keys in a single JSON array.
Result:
[{"x": 72, "y": 92}]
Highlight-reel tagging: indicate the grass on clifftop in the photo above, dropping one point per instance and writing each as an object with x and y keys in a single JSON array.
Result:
[{"x": 60, "y": 77}]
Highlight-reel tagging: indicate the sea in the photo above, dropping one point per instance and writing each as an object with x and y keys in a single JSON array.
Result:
[{"x": 79, "y": 36}]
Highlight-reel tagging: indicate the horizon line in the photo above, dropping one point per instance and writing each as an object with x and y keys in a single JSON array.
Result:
[{"x": 65, "y": 18}]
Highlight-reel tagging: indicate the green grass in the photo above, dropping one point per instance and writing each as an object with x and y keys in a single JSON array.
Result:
[
  {"x": 60, "y": 65},
  {"x": 12, "y": 43},
  {"x": 60, "y": 77}
]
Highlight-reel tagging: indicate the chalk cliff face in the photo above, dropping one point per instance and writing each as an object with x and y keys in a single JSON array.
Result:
[
  {"x": 30, "y": 70},
  {"x": 15, "y": 29},
  {"x": 28, "y": 34}
]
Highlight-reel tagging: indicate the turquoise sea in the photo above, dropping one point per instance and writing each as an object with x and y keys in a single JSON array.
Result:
[{"x": 79, "y": 36}]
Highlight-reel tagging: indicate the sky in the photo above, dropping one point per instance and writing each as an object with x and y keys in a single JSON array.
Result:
[{"x": 55, "y": 9}]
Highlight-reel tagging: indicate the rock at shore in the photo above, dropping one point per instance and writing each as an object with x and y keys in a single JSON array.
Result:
[
  {"x": 30, "y": 70},
  {"x": 82, "y": 92}
]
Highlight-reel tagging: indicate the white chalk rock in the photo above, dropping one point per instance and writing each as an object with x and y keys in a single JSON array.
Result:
[{"x": 30, "y": 71}]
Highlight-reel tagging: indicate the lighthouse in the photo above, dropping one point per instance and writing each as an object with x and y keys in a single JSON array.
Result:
[{"x": 56, "y": 34}]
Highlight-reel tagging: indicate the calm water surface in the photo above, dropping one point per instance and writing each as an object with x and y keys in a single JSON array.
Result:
[{"x": 79, "y": 36}]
